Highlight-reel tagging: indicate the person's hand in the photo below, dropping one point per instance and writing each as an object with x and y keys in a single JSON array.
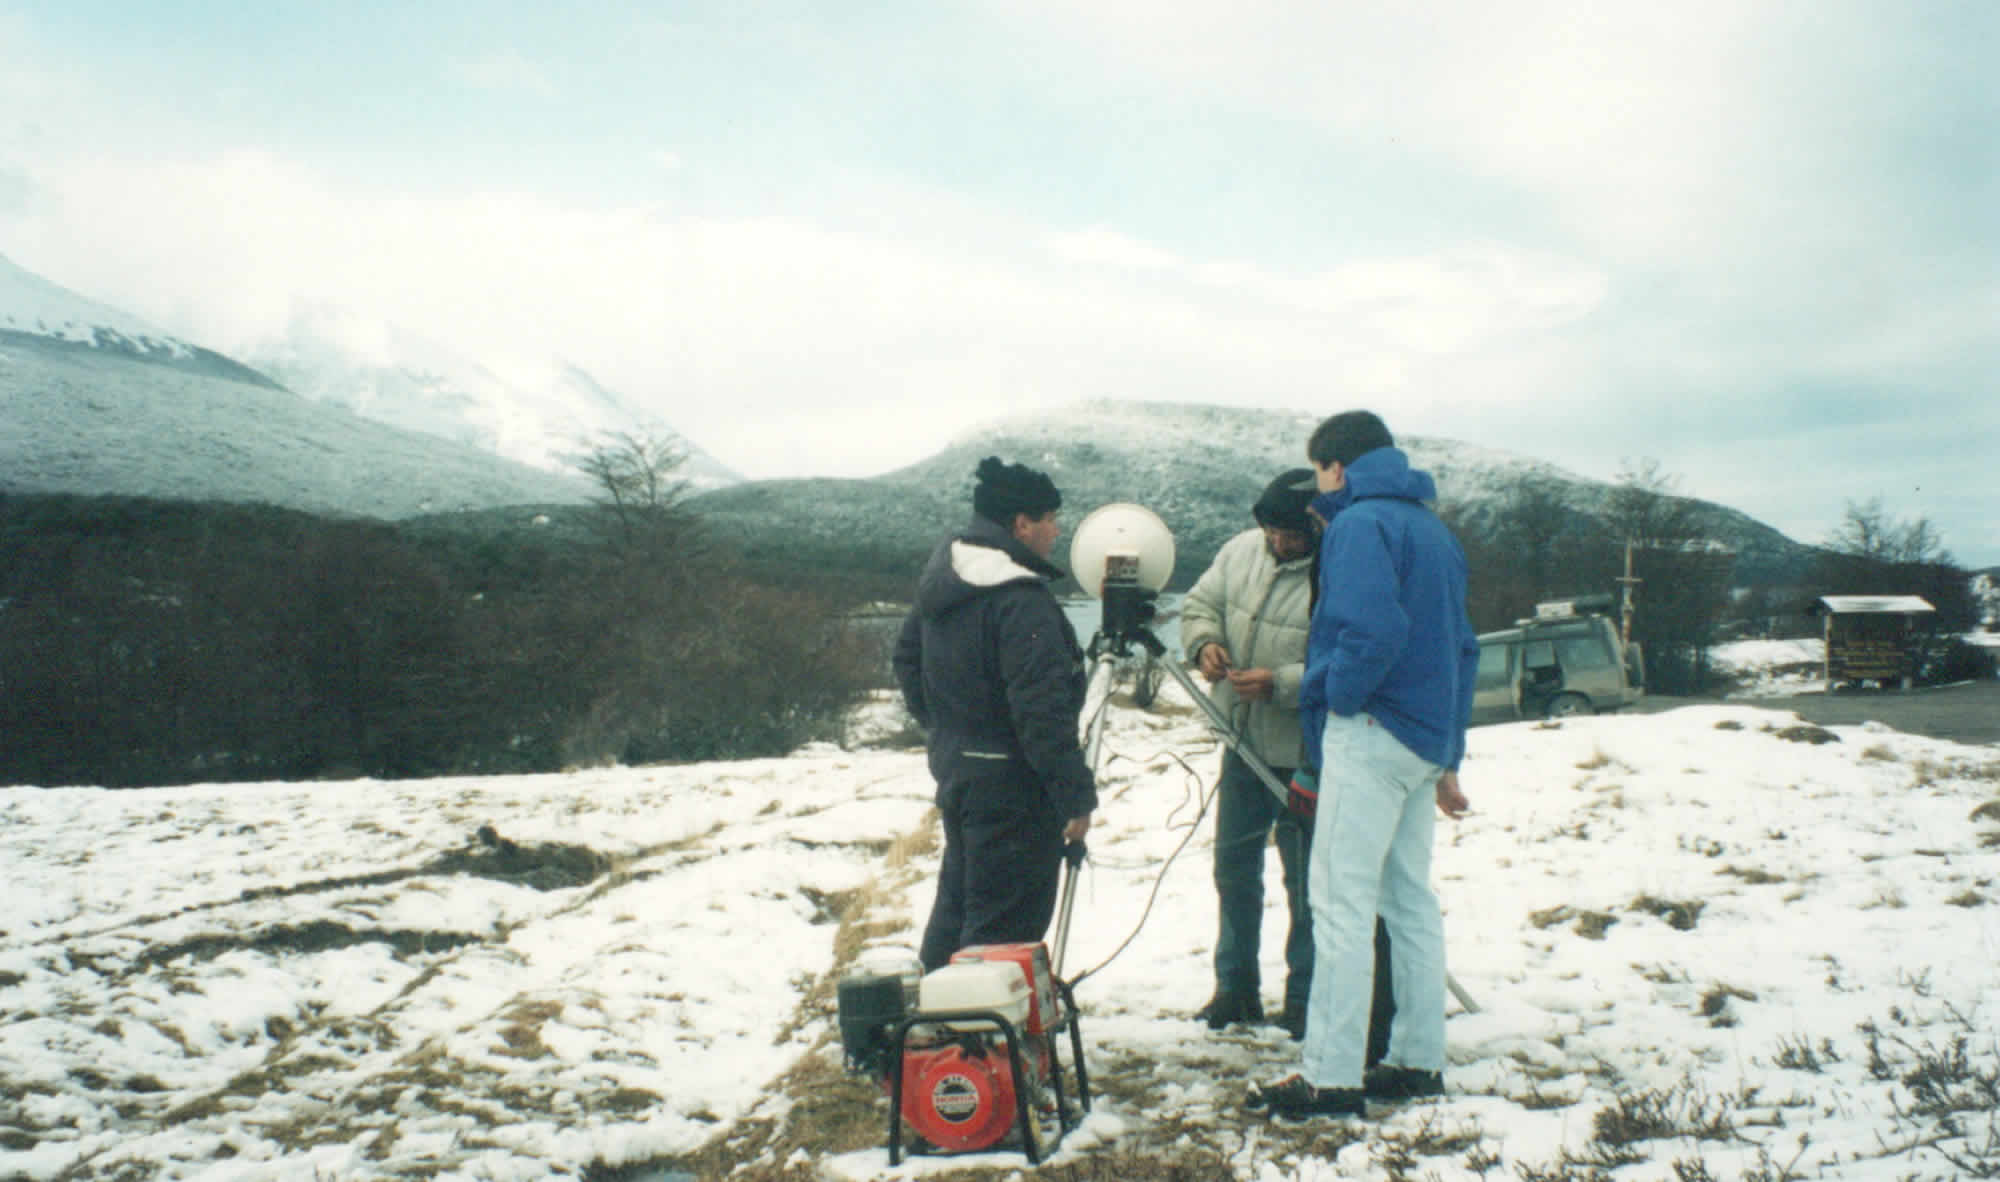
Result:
[
  {"x": 1254, "y": 685},
  {"x": 1213, "y": 660},
  {"x": 1077, "y": 827},
  {"x": 1302, "y": 796},
  {"x": 1451, "y": 798}
]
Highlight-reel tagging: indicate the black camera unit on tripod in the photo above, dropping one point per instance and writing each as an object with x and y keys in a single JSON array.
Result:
[{"x": 1129, "y": 608}]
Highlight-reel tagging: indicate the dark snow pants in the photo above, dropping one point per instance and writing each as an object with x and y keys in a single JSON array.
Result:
[
  {"x": 1245, "y": 812},
  {"x": 1002, "y": 862}
]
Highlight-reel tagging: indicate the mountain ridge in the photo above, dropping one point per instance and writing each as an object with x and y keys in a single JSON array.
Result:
[
  {"x": 1199, "y": 466},
  {"x": 98, "y": 402}
]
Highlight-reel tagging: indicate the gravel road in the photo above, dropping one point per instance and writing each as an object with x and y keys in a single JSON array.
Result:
[{"x": 1964, "y": 713}]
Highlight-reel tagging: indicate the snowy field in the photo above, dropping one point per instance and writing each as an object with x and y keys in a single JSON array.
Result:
[
  {"x": 1715, "y": 939},
  {"x": 1772, "y": 668}
]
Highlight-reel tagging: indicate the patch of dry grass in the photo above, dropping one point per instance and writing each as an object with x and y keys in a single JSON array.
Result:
[
  {"x": 1717, "y": 1002},
  {"x": 1807, "y": 733},
  {"x": 1752, "y": 875},
  {"x": 522, "y": 1032},
  {"x": 1680, "y": 916}
]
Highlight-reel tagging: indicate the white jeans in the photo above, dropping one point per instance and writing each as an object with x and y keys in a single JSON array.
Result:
[{"x": 1371, "y": 855}]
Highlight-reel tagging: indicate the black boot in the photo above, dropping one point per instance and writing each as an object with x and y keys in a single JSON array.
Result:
[
  {"x": 1294, "y": 1020},
  {"x": 1388, "y": 1082},
  {"x": 1228, "y": 1007}
]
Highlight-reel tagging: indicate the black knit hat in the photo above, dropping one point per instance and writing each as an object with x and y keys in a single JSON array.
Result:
[
  {"x": 1007, "y": 489},
  {"x": 1283, "y": 505}
]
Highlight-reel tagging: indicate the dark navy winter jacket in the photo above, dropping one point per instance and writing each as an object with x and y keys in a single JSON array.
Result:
[
  {"x": 1390, "y": 636},
  {"x": 990, "y": 666}
]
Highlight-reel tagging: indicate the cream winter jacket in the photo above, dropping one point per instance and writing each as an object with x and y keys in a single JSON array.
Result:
[{"x": 1259, "y": 610}]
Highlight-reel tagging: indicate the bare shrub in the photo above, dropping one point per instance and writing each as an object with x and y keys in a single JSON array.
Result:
[
  {"x": 1684, "y": 1110},
  {"x": 147, "y": 642}
]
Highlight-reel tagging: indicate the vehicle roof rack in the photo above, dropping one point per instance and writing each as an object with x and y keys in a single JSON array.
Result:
[{"x": 1574, "y": 607}]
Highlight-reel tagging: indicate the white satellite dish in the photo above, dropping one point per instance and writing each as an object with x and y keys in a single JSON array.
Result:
[{"x": 1124, "y": 538}]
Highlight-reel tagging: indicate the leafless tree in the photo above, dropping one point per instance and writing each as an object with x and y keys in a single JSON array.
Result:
[
  {"x": 639, "y": 487},
  {"x": 1683, "y": 571},
  {"x": 1872, "y": 553},
  {"x": 1868, "y": 532}
]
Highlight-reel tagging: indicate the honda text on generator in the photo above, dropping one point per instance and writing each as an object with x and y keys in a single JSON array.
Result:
[{"x": 970, "y": 1053}]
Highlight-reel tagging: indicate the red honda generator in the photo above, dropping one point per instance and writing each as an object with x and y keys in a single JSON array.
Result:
[{"x": 969, "y": 1054}]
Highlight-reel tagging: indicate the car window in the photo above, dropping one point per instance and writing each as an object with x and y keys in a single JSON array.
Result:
[
  {"x": 1585, "y": 652},
  {"x": 1492, "y": 666}
]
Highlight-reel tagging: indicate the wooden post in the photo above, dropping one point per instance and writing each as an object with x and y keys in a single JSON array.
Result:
[{"x": 1627, "y": 583}]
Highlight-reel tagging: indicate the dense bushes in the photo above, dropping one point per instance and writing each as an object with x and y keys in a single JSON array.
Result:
[{"x": 146, "y": 642}]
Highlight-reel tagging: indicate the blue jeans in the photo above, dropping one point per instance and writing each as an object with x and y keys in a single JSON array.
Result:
[
  {"x": 1244, "y": 813},
  {"x": 1371, "y": 854}
]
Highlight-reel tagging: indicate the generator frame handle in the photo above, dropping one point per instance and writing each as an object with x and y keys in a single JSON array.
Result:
[
  {"x": 1023, "y": 1117},
  {"x": 1076, "y": 1049}
]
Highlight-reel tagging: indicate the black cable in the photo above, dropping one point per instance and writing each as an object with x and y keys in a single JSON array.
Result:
[{"x": 1160, "y": 879}]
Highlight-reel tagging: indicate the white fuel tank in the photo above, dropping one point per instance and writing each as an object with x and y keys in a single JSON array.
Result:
[{"x": 999, "y": 986}]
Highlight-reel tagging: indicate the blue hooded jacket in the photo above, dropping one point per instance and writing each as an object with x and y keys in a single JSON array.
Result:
[{"x": 1390, "y": 636}]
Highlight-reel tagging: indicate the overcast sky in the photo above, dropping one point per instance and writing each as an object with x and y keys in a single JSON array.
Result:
[{"x": 1757, "y": 242}]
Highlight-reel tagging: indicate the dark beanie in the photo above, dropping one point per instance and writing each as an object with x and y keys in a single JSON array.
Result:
[
  {"x": 1007, "y": 489},
  {"x": 1283, "y": 505}
]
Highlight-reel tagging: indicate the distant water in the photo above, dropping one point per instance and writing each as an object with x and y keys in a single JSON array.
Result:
[{"x": 1085, "y": 615}]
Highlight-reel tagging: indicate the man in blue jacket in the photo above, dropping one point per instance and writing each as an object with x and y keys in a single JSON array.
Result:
[
  {"x": 1390, "y": 659},
  {"x": 991, "y": 668}
]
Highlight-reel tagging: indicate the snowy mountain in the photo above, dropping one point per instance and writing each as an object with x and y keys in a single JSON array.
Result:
[
  {"x": 387, "y": 373},
  {"x": 1199, "y": 467},
  {"x": 37, "y": 313},
  {"x": 32, "y": 305},
  {"x": 93, "y": 401}
]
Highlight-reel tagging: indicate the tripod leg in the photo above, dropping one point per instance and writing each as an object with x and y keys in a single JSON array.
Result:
[{"x": 1220, "y": 723}]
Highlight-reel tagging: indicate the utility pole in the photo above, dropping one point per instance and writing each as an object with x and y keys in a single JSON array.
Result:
[{"x": 1626, "y": 584}]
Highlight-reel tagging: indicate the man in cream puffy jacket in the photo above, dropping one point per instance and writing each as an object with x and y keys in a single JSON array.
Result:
[{"x": 1244, "y": 626}]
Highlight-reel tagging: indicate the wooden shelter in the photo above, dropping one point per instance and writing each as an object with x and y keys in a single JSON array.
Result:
[{"x": 1873, "y": 637}]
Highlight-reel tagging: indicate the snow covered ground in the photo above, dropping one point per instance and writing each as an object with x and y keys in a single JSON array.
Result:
[
  {"x": 1715, "y": 937},
  {"x": 1772, "y": 668}
]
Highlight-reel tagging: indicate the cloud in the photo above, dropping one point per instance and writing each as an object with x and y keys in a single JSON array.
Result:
[
  {"x": 16, "y": 190},
  {"x": 774, "y": 321},
  {"x": 1643, "y": 126},
  {"x": 1664, "y": 219},
  {"x": 506, "y": 70},
  {"x": 1102, "y": 246}
]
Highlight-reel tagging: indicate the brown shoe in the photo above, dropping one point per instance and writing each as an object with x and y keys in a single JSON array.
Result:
[{"x": 1227, "y": 1008}]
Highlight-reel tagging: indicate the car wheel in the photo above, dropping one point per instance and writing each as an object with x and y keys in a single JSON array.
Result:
[{"x": 1568, "y": 706}]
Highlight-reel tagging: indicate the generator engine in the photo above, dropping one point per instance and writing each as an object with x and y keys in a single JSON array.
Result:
[{"x": 970, "y": 1056}]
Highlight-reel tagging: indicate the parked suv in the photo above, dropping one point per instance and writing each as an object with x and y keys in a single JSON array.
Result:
[{"x": 1566, "y": 660}]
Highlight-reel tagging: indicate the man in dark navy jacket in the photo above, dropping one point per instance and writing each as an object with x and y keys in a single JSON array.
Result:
[{"x": 991, "y": 668}]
